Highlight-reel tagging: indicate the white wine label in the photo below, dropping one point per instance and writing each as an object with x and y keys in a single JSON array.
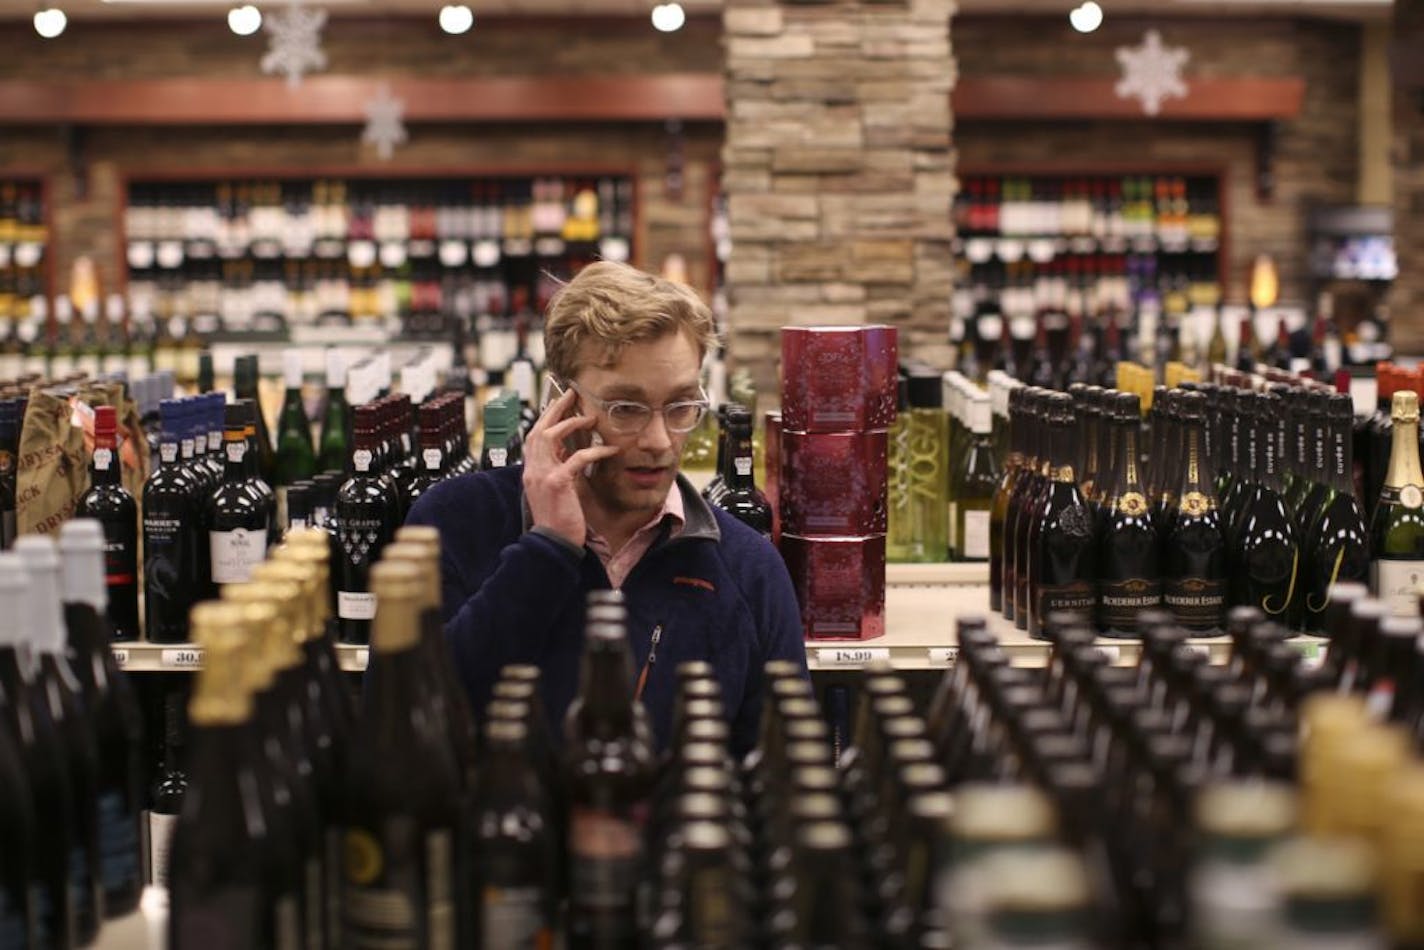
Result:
[
  {"x": 1397, "y": 584},
  {"x": 160, "y": 841},
  {"x": 974, "y": 546},
  {"x": 235, "y": 553},
  {"x": 103, "y": 458},
  {"x": 850, "y": 656},
  {"x": 355, "y": 605},
  {"x": 743, "y": 466}
]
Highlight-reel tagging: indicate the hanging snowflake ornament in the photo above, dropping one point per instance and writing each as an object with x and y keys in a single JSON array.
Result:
[
  {"x": 1152, "y": 72},
  {"x": 295, "y": 45},
  {"x": 384, "y": 128}
]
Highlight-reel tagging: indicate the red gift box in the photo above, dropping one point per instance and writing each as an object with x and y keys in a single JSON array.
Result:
[
  {"x": 835, "y": 379},
  {"x": 840, "y": 585},
  {"x": 833, "y": 483}
]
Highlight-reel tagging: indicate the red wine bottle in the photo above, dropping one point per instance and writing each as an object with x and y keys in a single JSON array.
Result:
[{"x": 108, "y": 502}]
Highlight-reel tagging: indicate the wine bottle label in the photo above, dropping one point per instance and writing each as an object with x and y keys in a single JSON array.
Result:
[
  {"x": 235, "y": 553},
  {"x": 103, "y": 458},
  {"x": 974, "y": 546},
  {"x": 118, "y": 844},
  {"x": 1197, "y": 603},
  {"x": 514, "y": 917},
  {"x": 167, "y": 452},
  {"x": 236, "y": 451},
  {"x": 605, "y": 849},
  {"x": 1121, "y": 600},
  {"x": 1397, "y": 584},
  {"x": 432, "y": 459},
  {"x": 498, "y": 457},
  {"x": 186, "y": 448},
  {"x": 743, "y": 466},
  {"x": 160, "y": 843},
  {"x": 1077, "y": 596},
  {"x": 361, "y": 460},
  {"x": 393, "y": 881},
  {"x": 355, "y": 605},
  {"x": 214, "y": 441}
]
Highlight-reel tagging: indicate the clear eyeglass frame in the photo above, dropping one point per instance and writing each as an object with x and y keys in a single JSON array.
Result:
[{"x": 629, "y": 417}]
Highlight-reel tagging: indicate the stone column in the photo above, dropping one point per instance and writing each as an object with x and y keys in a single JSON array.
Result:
[
  {"x": 1406, "y": 303},
  {"x": 839, "y": 171}
]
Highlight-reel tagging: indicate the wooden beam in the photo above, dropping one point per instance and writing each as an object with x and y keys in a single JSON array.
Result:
[
  {"x": 1221, "y": 99},
  {"x": 340, "y": 100},
  {"x": 647, "y": 98}
]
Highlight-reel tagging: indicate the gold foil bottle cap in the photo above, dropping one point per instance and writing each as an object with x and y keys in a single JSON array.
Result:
[
  {"x": 1318, "y": 868},
  {"x": 314, "y": 538},
  {"x": 419, "y": 534},
  {"x": 252, "y": 619},
  {"x": 1401, "y": 847},
  {"x": 220, "y": 696},
  {"x": 427, "y": 560},
  {"x": 308, "y": 556},
  {"x": 308, "y": 581},
  {"x": 1247, "y": 809},
  {"x": 397, "y": 586},
  {"x": 1405, "y": 407},
  {"x": 1364, "y": 766},
  {"x": 276, "y": 637},
  {"x": 1001, "y": 813}
]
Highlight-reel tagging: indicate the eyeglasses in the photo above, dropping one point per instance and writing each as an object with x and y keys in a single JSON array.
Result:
[{"x": 626, "y": 417}]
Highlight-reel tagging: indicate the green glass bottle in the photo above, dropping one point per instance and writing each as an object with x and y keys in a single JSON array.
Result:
[
  {"x": 245, "y": 384},
  {"x": 336, "y": 421},
  {"x": 1397, "y": 530},
  {"x": 296, "y": 458},
  {"x": 918, "y": 479}
]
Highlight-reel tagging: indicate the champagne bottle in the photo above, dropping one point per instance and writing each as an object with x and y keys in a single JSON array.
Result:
[
  {"x": 1337, "y": 542},
  {"x": 245, "y": 386},
  {"x": 402, "y": 816},
  {"x": 1266, "y": 552},
  {"x": 1130, "y": 572},
  {"x": 234, "y": 868},
  {"x": 1063, "y": 537},
  {"x": 1397, "y": 528},
  {"x": 1194, "y": 568},
  {"x": 334, "y": 451},
  {"x": 112, "y": 712},
  {"x": 108, "y": 502}
]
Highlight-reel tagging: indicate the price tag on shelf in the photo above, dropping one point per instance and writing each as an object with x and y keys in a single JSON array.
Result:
[
  {"x": 944, "y": 656},
  {"x": 363, "y": 658},
  {"x": 121, "y": 657},
  {"x": 1201, "y": 649},
  {"x": 1311, "y": 654},
  {"x": 185, "y": 658},
  {"x": 1113, "y": 653},
  {"x": 850, "y": 656}
]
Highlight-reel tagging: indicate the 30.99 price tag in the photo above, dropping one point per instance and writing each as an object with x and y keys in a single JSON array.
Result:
[{"x": 187, "y": 658}]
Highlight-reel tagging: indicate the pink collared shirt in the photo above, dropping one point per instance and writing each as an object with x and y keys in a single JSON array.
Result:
[{"x": 620, "y": 564}]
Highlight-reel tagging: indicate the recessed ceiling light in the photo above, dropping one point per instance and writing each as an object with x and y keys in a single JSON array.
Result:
[
  {"x": 1087, "y": 17},
  {"x": 669, "y": 17},
  {"x": 50, "y": 22},
  {"x": 244, "y": 20},
  {"x": 456, "y": 18}
]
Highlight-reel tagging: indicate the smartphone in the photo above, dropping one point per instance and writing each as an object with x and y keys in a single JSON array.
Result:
[{"x": 582, "y": 439}]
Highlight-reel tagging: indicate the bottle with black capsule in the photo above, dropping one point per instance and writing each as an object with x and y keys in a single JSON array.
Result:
[
  {"x": 1336, "y": 545},
  {"x": 1129, "y": 568},
  {"x": 172, "y": 536},
  {"x": 1265, "y": 554},
  {"x": 1063, "y": 538}
]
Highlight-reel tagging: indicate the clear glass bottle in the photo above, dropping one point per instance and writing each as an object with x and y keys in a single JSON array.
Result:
[
  {"x": 918, "y": 465},
  {"x": 973, "y": 483}
]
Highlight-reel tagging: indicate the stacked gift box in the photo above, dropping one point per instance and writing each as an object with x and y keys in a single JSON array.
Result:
[{"x": 838, "y": 399}]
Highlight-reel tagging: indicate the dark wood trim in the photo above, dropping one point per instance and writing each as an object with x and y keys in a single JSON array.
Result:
[
  {"x": 648, "y": 98},
  {"x": 1241, "y": 99},
  {"x": 322, "y": 100}
]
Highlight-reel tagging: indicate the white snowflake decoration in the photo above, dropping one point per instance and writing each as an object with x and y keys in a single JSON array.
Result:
[
  {"x": 295, "y": 46},
  {"x": 384, "y": 128},
  {"x": 1152, "y": 72}
]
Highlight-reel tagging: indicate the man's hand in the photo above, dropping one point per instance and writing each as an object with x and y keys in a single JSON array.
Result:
[{"x": 550, "y": 470}]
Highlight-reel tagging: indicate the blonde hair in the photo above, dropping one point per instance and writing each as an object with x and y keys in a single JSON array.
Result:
[{"x": 612, "y": 305}]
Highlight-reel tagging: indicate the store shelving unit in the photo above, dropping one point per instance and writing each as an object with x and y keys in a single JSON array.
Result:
[{"x": 26, "y": 263}]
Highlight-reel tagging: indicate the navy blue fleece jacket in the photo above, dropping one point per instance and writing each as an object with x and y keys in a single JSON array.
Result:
[{"x": 718, "y": 591}]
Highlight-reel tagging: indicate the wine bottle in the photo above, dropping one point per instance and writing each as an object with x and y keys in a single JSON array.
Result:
[
  {"x": 1194, "y": 570},
  {"x": 1023, "y": 511},
  {"x": 1337, "y": 542},
  {"x": 1266, "y": 551},
  {"x": 334, "y": 452},
  {"x": 17, "y": 838},
  {"x": 1130, "y": 572},
  {"x": 501, "y": 446},
  {"x": 240, "y": 513},
  {"x": 170, "y": 784},
  {"x": 741, "y": 498},
  {"x": 58, "y": 851},
  {"x": 172, "y": 537},
  {"x": 234, "y": 868},
  {"x": 112, "y": 713},
  {"x": 366, "y": 520},
  {"x": 432, "y": 463},
  {"x": 515, "y": 851},
  {"x": 109, "y": 503},
  {"x": 59, "y": 691},
  {"x": 402, "y": 820},
  {"x": 1063, "y": 537},
  {"x": 974, "y": 480},
  {"x": 1397, "y": 528},
  {"x": 1015, "y": 467},
  {"x": 609, "y": 774},
  {"x": 1313, "y": 479},
  {"x": 245, "y": 386},
  {"x": 296, "y": 459}
]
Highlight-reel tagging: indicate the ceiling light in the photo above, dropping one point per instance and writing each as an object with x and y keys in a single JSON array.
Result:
[
  {"x": 1087, "y": 17},
  {"x": 456, "y": 18},
  {"x": 244, "y": 20},
  {"x": 669, "y": 17},
  {"x": 50, "y": 22}
]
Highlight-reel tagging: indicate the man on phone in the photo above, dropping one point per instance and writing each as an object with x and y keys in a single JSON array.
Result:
[{"x": 598, "y": 503}]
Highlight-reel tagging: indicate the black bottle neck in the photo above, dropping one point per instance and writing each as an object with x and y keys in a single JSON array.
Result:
[
  {"x": 1269, "y": 444},
  {"x": 1128, "y": 479},
  {"x": 1340, "y": 463},
  {"x": 605, "y": 690},
  {"x": 1197, "y": 477}
]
